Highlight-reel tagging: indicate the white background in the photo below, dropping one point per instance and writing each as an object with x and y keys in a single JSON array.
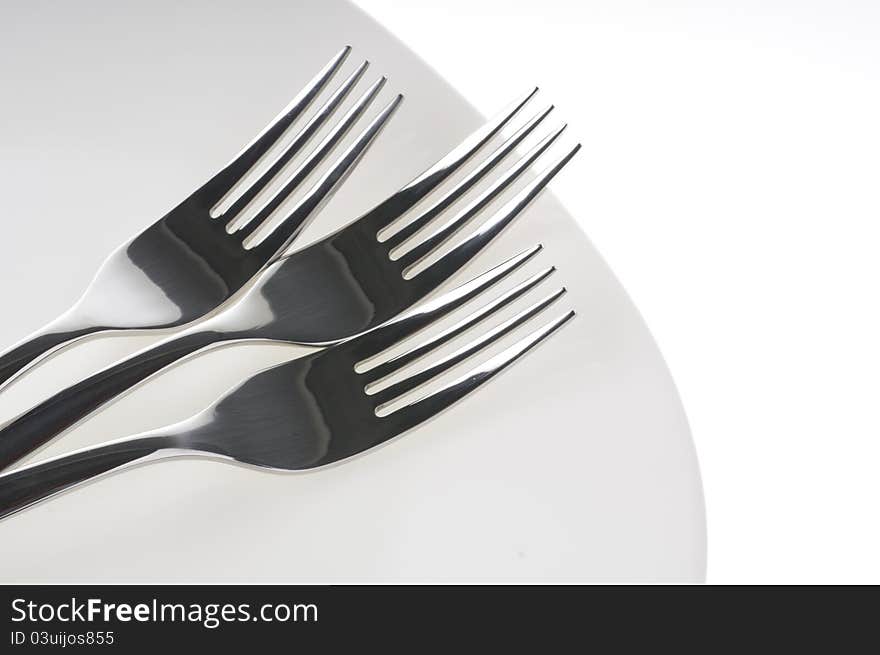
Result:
[{"x": 730, "y": 179}]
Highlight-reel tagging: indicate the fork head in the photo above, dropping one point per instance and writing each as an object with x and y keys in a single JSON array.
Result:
[
  {"x": 196, "y": 257},
  {"x": 361, "y": 276},
  {"x": 328, "y": 406}
]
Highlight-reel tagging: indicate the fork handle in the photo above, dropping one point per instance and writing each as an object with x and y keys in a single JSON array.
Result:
[
  {"x": 31, "y": 350},
  {"x": 25, "y": 487},
  {"x": 38, "y": 425}
]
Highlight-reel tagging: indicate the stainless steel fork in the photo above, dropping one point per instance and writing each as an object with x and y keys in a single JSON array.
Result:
[
  {"x": 345, "y": 284},
  {"x": 188, "y": 262},
  {"x": 318, "y": 409}
]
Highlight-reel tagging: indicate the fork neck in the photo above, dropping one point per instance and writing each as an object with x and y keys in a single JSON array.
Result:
[
  {"x": 43, "y": 344},
  {"x": 30, "y": 485}
]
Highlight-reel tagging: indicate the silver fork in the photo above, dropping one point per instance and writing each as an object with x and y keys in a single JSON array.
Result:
[
  {"x": 188, "y": 262},
  {"x": 316, "y": 410},
  {"x": 336, "y": 288}
]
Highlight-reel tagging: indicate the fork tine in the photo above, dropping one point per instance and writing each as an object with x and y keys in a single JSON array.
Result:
[
  {"x": 385, "y": 369},
  {"x": 295, "y": 146},
  {"x": 420, "y": 378},
  {"x": 440, "y": 236},
  {"x": 389, "y": 210},
  {"x": 466, "y": 184},
  {"x": 440, "y": 271},
  {"x": 373, "y": 342},
  {"x": 425, "y": 408},
  {"x": 277, "y": 240},
  {"x": 314, "y": 159},
  {"x": 214, "y": 189}
]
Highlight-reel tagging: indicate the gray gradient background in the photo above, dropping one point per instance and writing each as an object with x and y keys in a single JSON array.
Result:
[{"x": 576, "y": 465}]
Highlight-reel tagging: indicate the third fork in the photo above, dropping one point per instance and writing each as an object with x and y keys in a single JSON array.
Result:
[{"x": 318, "y": 409}]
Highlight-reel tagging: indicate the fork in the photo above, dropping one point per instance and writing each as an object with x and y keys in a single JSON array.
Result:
[
  {"x": 188, "y": 262},
  {"x": 318, "y": 409},
  {"x": 336, "y": 288}
]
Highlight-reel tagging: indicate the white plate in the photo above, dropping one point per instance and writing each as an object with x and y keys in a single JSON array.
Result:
[{"x": 574, "y": 466}]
